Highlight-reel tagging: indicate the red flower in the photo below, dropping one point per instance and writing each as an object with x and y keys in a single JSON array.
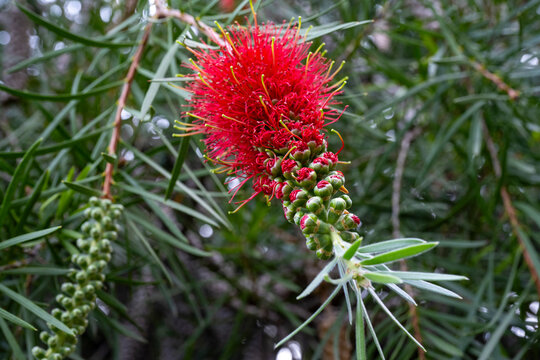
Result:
[{"x": 256, "y": 96}]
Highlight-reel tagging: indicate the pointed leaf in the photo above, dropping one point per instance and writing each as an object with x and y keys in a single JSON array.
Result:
[{"x": 394, "y": 255}]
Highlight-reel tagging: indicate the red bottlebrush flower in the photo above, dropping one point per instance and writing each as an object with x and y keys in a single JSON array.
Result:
[{"x": 256, "y": 95}]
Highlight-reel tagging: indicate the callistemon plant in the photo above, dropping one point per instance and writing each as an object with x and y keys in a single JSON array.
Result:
[{"x": 263, "y": 101}]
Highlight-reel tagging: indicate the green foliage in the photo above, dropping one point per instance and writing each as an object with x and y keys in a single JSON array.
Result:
[{"x": 451, "y": 86}]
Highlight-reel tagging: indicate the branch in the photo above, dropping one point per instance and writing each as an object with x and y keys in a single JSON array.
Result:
[
  {"x": 121, "y": 103},
  {"x": 508, "y": 206},
  {"x": 512, "y": 94},
  {"x": 163, "y": 12},
  {"x": 396, "y": 194}
]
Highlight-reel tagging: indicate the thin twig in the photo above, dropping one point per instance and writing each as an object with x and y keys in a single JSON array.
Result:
[
  {"x": 121, "y": 103},
  {"x": 163, "y": 12},
  {"x": 396, "y": 194},
  {"x": 512, "y": 94},
  {"x": 508, "y": 206}
]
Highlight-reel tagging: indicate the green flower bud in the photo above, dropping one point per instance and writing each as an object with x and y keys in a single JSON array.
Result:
[
  {"x": 306, "y": 178},
  {"x": 52, "y": 341},
  {"x": 81, "y": 277},
  {"x": 349, "y": 236},
  {"x": 66, "y": 317},
  {"x": 68, "y": 288},
  {"x": 38, "y": 352},
  {"x": 44, "y": 336},
  {"x": 320, "y": 165},
  {"x": 336, "y": 178},
  {"x": 315, "y": 205},
  {"x": 94, "y": 201},
  {"x": 301, "y": 155},
  {"x": 105, "y": 204},
  {"x": 324, "y": 190},
  {"x": 96, "y": 213},
  {"x": 348, "y": 221},
  {"x": 57, "y": 313},
  {"x": 309, "y": 224},
  {"x": 348, "y": 201},
  {"x": 324, "y": 254},
  {"x": 298, "y": 216},
  {"x": 83, "y": 244}
]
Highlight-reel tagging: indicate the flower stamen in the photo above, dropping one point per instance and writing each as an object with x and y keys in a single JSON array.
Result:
[
  {"x": 340, "y": 138},
  {"x": 264, "y": 86}
]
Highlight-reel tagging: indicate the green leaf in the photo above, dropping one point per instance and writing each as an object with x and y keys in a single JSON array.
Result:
[
  {"x": 321, "y": 30},
  {"x": 389, "y": 245},
  {"x": 410, "y": 275},
  {"x": 318, "y": 279},
  {"x": 85, "y": 190},
  {"x": 37, "y": 270},
  {"x": 182, "y": 152},
  {"x": 17, "y": 352},
  {"x": 359, "y": 333},
  {"x": 421, "y": 284},
  {"x": 17, "y": 176},
  {"x": 310, "y": 319},
  {"x": 27, "y": 237},
  {"x": 348, "y": 255},
  {"x": 42, "y": 182},
  {"x": 15, "y": 319},
  {"x": 160, "y": 72},
  {"x": 382, "y": 278},
  {"x": 111, "y": 159},
  {"x": 69, "y": 34},
  {"x": 59, "y": 97},
  {"x": 402, "y": 253},
  {"x": 33, "y": 308},
  {"x": 530, "y": 211}
]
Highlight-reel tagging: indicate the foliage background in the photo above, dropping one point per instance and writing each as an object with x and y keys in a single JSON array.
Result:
[{"x": 187, "y": 280}]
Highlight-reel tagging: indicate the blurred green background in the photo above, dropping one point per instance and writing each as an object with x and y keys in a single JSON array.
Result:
[{"x": 442, "y": 132}]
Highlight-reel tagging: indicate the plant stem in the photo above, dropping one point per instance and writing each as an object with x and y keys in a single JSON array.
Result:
[{"x": 508, "y": 206}]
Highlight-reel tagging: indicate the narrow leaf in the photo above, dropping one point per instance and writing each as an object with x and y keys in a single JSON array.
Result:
[
  {"x": 19, "y": 171},
  {"x": 389, "y": 245},
  {"x": 27, "y": 237},
  {"x": 402, "y": 253},
  {"x": 85, "y": 190},
  {"x": 33, "y": 308},
  {"x": 66, "y": 33},
  {"x": 15, "y": 319},
  {"x": 410, "y": 275},
  {"x": 352, "y": 249},
  {"x": 318, "y": 279},
  {"x": 382, "y": 278}
]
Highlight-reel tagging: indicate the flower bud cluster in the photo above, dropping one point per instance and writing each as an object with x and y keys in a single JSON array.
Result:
[
  {"x": 78, "y": 295},
  {"x": 314, "y": 197}
]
